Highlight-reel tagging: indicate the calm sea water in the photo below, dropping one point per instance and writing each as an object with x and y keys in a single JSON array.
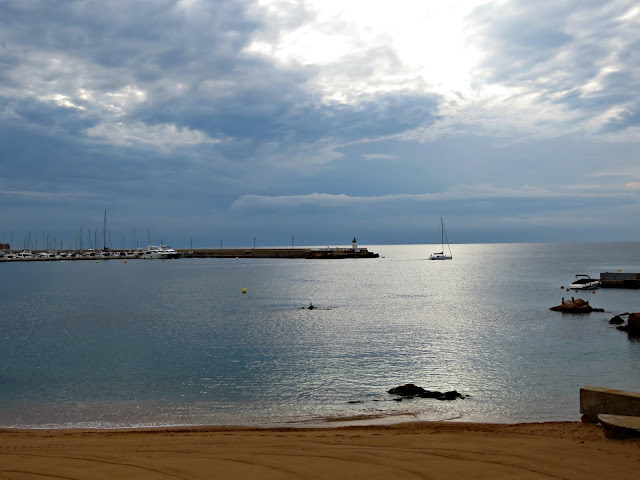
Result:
[{"x": 148, "y": 342}]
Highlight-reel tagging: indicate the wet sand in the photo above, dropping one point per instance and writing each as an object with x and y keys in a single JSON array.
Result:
[{"x": 567, "y": 450}]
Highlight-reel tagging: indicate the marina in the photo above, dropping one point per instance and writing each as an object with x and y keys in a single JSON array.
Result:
[{"x": 165, "y": 252}]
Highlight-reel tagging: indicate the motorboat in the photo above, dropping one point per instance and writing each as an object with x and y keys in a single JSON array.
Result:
[
  {"x": 162, "y": 252},
  {"x": 584, "y": 282}
]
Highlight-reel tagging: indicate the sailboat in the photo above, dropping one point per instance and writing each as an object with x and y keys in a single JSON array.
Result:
[{"x": 441, "y": 255}]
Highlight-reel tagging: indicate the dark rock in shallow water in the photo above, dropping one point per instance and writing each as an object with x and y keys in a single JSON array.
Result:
[
  {"x": 575, "y": 305},
  {"x": 616, "y": 320},
  {"x": 410, "y": 390},
  {"x": 452, "y": 395},
  {"x": 633, "y": 324},
  {"x": 407, "y": 390}
]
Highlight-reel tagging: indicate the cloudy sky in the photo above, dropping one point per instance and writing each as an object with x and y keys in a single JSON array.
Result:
[{"x": 202, "y": 120}]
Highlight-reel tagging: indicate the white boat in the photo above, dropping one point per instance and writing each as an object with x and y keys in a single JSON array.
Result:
[
  {"x": 160, "y": 252},
  {"x": 584, "y": 282},
  {"x": 441, "y": 255}
]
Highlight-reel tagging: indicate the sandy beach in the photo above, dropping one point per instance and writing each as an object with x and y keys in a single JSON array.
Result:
[{"x": 567, "y": 450}]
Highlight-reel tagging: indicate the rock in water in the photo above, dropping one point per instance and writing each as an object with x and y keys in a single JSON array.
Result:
[
  {"x": 575, "y": 305},
  {"x": 409, "y": 390},
  {"x": 617, "y": 320},
  {"x": 633, "y": 324}
]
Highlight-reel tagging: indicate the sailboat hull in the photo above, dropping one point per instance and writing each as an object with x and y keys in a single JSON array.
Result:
[{"x": 440, "y": 256}]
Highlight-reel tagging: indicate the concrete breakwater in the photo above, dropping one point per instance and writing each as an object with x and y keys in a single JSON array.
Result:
[
  {"x": 619, "y": 280},
  {"x": 308, "y": 253}
]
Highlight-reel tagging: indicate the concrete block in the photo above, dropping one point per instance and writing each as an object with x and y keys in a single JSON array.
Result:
[
  {"x": 620, "y": 426},
  {"x": 597, "y": 400}
]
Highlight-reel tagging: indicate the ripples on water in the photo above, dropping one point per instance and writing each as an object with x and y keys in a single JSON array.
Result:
[{"x": 176, "y": 342}]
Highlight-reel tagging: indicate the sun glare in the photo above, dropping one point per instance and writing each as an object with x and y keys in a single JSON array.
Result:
[{"x": 427, "y": 40}]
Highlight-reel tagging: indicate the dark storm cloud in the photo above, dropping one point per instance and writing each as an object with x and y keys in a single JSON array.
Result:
[
  {"x": 48, "y": 115},
  {"x": 190, "y": 66},
  {"x": 118, "y": 33}
]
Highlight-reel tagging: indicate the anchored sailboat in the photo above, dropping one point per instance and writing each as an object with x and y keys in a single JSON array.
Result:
[{"x": 441, "y": 255}]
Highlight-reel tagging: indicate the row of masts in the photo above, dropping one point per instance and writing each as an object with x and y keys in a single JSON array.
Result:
[{"x": 83, "y": 240}]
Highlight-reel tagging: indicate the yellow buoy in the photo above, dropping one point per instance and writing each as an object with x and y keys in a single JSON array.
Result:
[
  {"x": 619, "y": 269},
  {"x": 244, "y": 290},
  {"x": 96, "y": 261},
  {"x": 125, "y": 261}
]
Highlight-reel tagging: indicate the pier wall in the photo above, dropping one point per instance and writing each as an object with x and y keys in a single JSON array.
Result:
[
  {"x": 599, "y": 400},
  {"x": 619, "y": 280},
  {"x": 276, "y": 253},
  {"x": 307, "y": 253}
]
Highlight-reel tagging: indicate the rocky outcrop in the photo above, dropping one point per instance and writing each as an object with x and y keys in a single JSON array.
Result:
[
  {"x": 633, "y": 325},
  {"x": 409, "y": 390},
  {"x": 617, "y": 320},
  {"x": 575, "y": 305}
]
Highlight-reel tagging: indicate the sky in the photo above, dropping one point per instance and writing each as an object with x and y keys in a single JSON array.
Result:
[{"x": 229, "y": 122}]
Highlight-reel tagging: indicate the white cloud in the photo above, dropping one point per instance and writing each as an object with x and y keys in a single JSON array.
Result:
[
  {"x": 45, "y": 195},
  {"x": 616, "y": 170},
  {"x": 160, "y": 136},
  {"x": 378, "y": 156},
  {"x": 457, "y": 192}
]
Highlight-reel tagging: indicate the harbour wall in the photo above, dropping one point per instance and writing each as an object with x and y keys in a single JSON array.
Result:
[
  {"x": 307, "y": 253},
  {"x": 596, "y": 400},
  {"x": 619, "y": 280},
  {"x": 277, "y": 253}
]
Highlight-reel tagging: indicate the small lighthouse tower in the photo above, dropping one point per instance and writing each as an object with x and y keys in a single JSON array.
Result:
[{"x": 354, "y": 245}]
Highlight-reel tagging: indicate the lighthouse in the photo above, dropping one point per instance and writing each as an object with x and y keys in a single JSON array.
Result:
[{"x": 354, "y": 245}]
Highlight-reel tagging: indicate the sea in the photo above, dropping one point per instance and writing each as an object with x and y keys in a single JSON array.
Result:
[{"x": 148, "y": 343}]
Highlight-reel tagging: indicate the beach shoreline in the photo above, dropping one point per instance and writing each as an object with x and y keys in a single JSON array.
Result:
[{"x": 404, "y": 450}]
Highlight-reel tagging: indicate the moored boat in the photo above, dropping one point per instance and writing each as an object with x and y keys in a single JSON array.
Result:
[
  {"x": 584, "y": 282},
  {"x": 441, "y": 255},
  {"x": 162, "y": 252}
]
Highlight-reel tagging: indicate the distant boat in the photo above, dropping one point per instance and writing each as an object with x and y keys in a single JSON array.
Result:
[
  {"x": 441, "y": 255},
  {"x": 160, "y": 252},
  {"x": 584, "y": 282}
]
